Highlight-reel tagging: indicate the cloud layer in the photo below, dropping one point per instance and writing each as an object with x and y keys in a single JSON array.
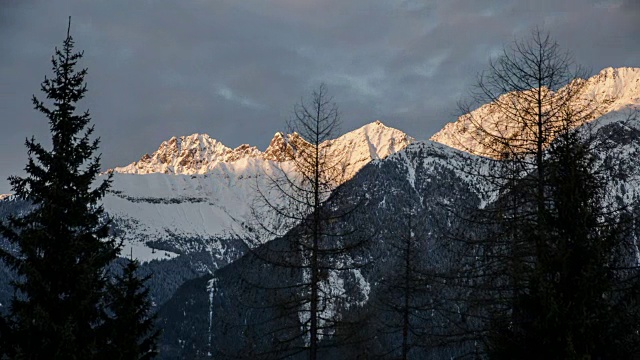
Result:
[{"x": 234, "y": 69}]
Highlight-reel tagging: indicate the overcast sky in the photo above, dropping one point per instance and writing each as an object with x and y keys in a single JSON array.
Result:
[{"x": 234, "y": 68}]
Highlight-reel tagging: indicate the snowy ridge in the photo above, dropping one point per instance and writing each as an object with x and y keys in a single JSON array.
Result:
[
  {"x": 374, "y": 141},
  {"x": 201, "y": 154},
  {"x": 193, "y": 154},
  {"x": 617, "y": 89},
  {"x": 619, "y": 85},
  {"x": 193, "y": 192},
  {"x": 429, "y": 157},
  {"x": 421, "y": 178}
]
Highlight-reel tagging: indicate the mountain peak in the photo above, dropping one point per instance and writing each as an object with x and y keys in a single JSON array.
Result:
[
  {"x": 615, "y": 88},
  {"x": 623, "y": 71},
  {"x": 374, "y": 125},
  {"x": 199, "y": 153},
  {"x": 279, "y": 148},
  {"x": 192, "y": 154},
  {"x": 372, "y": 141},
  {"x": 620, "y": 87}
]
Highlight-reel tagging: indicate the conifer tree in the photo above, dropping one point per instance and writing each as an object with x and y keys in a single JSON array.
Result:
[
  {"x": 545, "y": 270},
  {"x": 131, "y": 328},
  {"x": 581, "y": 298},
  {"x": 62, "y": 246}
]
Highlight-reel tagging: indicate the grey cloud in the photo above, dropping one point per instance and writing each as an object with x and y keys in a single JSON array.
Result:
[{"x": 234, "y": 69}]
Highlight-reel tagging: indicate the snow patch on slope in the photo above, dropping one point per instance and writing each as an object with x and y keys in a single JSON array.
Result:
[{"x": 144, "y": 253}]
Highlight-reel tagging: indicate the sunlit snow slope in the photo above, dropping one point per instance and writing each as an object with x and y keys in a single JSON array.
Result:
[{"x": 618, "y": 90}]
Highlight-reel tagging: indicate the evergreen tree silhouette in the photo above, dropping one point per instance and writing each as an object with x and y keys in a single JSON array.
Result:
[
  {"x": 62, "y": 248},
  {"x": 132, "y": 334}
]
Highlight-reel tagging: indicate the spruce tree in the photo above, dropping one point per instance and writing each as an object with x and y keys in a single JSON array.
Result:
[
  {"x": 131, "y": 328},
  {"x": 62, "y": 247}
]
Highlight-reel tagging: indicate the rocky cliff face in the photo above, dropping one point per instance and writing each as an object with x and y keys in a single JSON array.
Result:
[{"x": 187, "y": 155}]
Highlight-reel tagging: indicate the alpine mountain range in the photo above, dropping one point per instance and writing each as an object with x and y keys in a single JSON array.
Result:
[{"x": 185, "y": 210}]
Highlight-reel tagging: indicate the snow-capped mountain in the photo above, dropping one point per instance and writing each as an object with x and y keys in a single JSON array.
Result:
[
  {"x": 184, "y": 202},
  {"x": 201, "y": 154},
  {"x": 191, "y": 194},
  {"x": 419, "y": 180},
  {"x": 187, "y": 155},
  {"x": 617, "y": 90}
]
